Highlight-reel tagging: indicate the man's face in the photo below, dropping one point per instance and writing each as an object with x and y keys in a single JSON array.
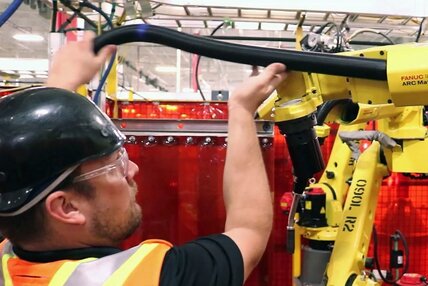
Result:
[{"x": 115, "y": 214}]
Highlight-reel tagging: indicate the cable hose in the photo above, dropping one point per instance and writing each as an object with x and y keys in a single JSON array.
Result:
[
  {"x": 9, "y": 11},
  {"x": 331, "y": 64},
  {"x": 198, "y": 60},
  {"x": 326, "y": 107}
]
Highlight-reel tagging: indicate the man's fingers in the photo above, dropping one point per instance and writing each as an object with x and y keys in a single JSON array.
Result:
[
  {"x": 275, "y": 68},
  {"x": 105, "y": 53},
  {"x": 274, "y": 72},
  {"x": 278, "y": 78},
  {"x": 89, "y": 36},
  {"x": 88, "y": 40}
]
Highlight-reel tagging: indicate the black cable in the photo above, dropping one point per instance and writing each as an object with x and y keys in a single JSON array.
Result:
[
  {"x": 67, "y": 3},
  {"x": 375, "y": 254},
  {"x": 68, "y": 21},
  {"x": 112, "y": 12},
  {"x": 289, "y": 40},
  {"x": 198, "y": 60},
  {"x": 343, "y": 27},
  {"x": 320, "y": 29},
  {"x": 337, "y": 49},
  {"x": 54, "y": 14},
  {"x": 418, "y": 36},
  {"x": 78, "y": 11},
  {"x": 331, "y": 64},
  {"x": 376, "y": 32},
  {"x": 344, "y": 23},
  {"x": 406, "y": 250},
  {"x": 338, "y": 41},
  {"x": 89, "y": 5},
  {"x": 376, "y": 257},
  {"x": 336, "y": 27},
  {"x": 72, "y": 30},
  {"x": 326, "y": 107},
  {"x": 387, "y": 38}
]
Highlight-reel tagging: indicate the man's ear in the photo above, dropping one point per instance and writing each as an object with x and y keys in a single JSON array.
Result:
[{"x": 66, "y": 207}]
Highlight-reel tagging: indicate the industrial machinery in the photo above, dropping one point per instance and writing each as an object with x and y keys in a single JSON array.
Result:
[
  {"x": 385, "y": 85},
  {"x": 336, "y": 213}
]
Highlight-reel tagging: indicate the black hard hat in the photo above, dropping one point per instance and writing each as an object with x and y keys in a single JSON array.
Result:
[{"x": 45, "y": 133}]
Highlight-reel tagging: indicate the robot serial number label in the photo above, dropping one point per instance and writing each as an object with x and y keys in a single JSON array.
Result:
[
  {"x": 349, "y": 223},
  {"x": 356, "y": 200}
]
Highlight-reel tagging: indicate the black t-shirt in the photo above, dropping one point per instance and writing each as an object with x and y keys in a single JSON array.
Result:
[{"x": 209, "y": 261}]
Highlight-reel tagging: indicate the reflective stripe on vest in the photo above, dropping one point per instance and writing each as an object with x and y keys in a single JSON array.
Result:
[
  {"x": 64, "y": 273},
  {"x": 6, "y": 249},
  {"x": 7, "y": 279},
  {"x": 140, "y": 265}
]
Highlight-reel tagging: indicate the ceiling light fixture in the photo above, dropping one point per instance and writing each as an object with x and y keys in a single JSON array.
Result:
[
  {"x": 28, "y": 38},
  {"x": 272, "y": 26},
  {"x": 24, "y": 64},
  {"x": 246, "y": 25},
  {"x": 26, "y": 76},
  {"x": 166, "y": 69}
]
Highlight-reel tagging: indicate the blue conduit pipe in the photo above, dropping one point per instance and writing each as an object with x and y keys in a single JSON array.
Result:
[{"x": 9, "y": 11}]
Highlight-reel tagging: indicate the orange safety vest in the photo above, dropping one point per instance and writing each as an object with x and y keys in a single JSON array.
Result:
[{"x": 140, "y": 265}]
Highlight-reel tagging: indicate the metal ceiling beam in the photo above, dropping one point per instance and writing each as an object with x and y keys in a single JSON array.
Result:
[
  {"x": 382, "y": 19},
  {"x": 366, "y": 25},
  {"x": 187, "y": 10},
  {"x": 326, "y": 16},
  {"x": 415, "y": 8}
]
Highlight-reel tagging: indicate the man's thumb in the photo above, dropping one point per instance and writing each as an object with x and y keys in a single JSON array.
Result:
[{"x": 106, "y": 52}]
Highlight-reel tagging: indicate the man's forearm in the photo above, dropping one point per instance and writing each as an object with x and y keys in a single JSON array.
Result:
[{"x": 246, "y": 188}]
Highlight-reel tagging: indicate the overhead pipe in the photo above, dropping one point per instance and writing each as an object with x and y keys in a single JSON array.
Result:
[
  {"x": 289, "y": 40},
  {"x": 331, "y": 64}
]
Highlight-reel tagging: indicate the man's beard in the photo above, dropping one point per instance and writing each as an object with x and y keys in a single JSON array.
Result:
[{"x": 108, "y": 226}]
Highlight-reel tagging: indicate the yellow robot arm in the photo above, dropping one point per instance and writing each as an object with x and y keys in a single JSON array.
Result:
[{"x": 397, "y": 105}]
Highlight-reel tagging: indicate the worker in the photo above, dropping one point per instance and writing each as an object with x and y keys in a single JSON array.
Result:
[{"x": 67, "y": 190}]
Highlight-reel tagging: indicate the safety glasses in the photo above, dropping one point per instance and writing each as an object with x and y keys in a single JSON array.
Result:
[{"x": 121, "y": 164}]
